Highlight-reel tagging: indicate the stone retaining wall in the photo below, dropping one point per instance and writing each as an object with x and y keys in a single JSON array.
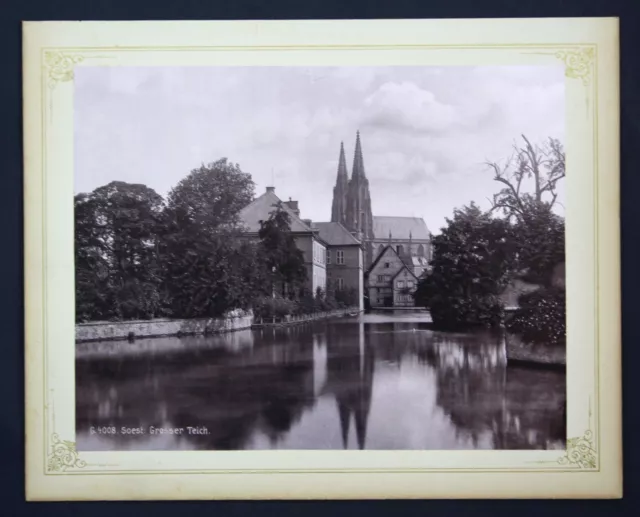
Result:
[
  {"x": 112, "y": 330},
  {"x": 302, "y": 318}
]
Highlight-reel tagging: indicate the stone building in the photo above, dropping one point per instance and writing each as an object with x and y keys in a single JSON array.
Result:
[
  {"x": 344, "y": 260},
  {"x": 306, "y": 237}
]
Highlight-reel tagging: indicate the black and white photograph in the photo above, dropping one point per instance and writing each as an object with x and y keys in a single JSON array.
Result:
[{"x": 319, "y": 258}]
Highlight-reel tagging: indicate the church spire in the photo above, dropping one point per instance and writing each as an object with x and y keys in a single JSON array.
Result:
[
  {"x": 358, "y": 161},
  {"x": 339, "y": 206},
  {"x": 342, "y": 166}
]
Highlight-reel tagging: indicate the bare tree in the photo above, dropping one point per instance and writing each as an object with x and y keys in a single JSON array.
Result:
[{"x": 544, "y": 164}]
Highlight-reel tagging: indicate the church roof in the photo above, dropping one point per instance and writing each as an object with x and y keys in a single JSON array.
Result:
[
  {"x": 400, "y": 228},
  {"x": 419, "y": 261},
  {"x": 334, "y": 234},
  {"x": 260, "y": 208}
]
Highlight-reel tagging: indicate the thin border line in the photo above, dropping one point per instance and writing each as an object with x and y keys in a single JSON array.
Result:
[
  {"x": 227, "y": 48},
  {"x": 302, "y": 48}
]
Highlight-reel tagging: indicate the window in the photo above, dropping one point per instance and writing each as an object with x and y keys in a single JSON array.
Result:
[
  {"x": 399, "y": 249},
  {"x": 339, "y": 257},
  {"x": 409, "y": 283},
  {"x": 340, "y": 283},
  {"x": 386, "y": 264},
  {"x": 380, "y": 278},
  {"x": 328, "y": 256},
  {"x": 400, "y": 284}
]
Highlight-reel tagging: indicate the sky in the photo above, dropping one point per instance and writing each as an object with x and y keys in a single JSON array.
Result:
[{"x": 426, "y": 132}]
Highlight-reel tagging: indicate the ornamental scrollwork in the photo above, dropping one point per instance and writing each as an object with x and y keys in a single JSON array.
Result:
[
  {"x": 581, "y": 452},
  {"x": 63, "y": 455},
  {"x": 578, "y": 63},
  {"x": 60, "y": 66}
]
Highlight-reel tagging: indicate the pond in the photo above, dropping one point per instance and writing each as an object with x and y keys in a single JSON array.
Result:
[{"x": 377, "y": 381}]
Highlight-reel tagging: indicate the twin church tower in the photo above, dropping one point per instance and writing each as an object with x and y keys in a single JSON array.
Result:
[
  {"x": 351, "y": 198},
  {"x": 409, "y": 236}
]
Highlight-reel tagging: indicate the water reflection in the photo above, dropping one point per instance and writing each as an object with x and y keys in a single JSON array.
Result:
[{"x": 377, "y": 382}]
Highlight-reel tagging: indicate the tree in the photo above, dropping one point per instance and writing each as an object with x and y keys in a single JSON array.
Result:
[
  {"x": 209, "y": 267},
  {"x": 282, "y": 257},
  {"x": 539, "y": 236},
  {"x": 471, "y": 266},
  {"x": 93, "y": 291},
  {"x": 117, "y": 270},
  {"x": 530, "y": 180},
  {"x": 540, "y": 244},
  {"x": 544, "y": 165},
  {"x": 208, "y": 274},
  {"x": 212, "y": 196}
]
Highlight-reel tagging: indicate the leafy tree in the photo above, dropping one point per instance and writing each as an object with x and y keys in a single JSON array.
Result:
[
  {"x": 117, "y": 227},
  {"x": 282, "y": 257},
  {"x": 471, "y": 266},
  {"x": 540, "y": 244},
  {"x": 93, "y": 291},
  {"x": 209, "y": 274},
  {"x": 209, "y": 268},
  {"x": 212, "y": 196}
]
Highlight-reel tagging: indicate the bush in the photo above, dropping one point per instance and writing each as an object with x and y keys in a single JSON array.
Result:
[
  {"x": 453, "y": 313},
  {"x": 347, "y": 297},
  {"x": 541, "y": 317},
  {"x": 269, "y": 307}
]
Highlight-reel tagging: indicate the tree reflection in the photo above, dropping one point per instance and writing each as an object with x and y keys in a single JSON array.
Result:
[
  {"x": 266, "y": 383},
  {"x": 520, "y": 408},
  {"x": 232, "y": 393}
]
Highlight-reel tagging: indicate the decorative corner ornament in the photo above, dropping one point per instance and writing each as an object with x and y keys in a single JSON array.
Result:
[
  {"x": 63, "y": 455},
  {"x": 580, "y": 452},
  {"x": 60, "y": 66},
  {"x": 578, "y": 63}
]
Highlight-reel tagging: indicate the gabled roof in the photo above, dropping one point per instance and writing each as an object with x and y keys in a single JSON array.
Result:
[
  {"x": 400, "y": 228},
  {"x": 260, "y": 208},
  {"x": 379, "y": 257},
  {"x": 335, "y": 234},
  {"x": 401, "y": 270}
]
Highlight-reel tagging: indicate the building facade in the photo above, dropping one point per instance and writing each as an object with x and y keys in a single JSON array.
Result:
[
  {"x": 390, "y": 282},
  {"x": 344, "y": 259}
]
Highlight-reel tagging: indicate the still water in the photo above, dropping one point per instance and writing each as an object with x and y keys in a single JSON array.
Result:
[{"x": 378, "y": 381}]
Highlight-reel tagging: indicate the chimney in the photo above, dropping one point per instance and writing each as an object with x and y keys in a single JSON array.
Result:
[
  {"x": 293, "y": 205},
  {"x": 271, "y": 189},
  {"x": 308, "y": 222}
]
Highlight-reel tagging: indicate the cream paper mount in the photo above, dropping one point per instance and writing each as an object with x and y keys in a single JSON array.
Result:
[{"x": 591, "y": 465}]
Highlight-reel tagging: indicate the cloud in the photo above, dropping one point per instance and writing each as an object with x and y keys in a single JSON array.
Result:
[
  {"x": 405, "y": 106},
  {"x": 426, "y": 131}
]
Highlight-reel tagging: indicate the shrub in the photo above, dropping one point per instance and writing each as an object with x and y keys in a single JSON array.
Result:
[
  {"x": 452, "y": 313},
  {"x": 541, "y": 317},
  {"x": 269, "y": 307}
]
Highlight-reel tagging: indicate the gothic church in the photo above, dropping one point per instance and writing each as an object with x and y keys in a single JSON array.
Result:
[{"x": 408, "y": 236}]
